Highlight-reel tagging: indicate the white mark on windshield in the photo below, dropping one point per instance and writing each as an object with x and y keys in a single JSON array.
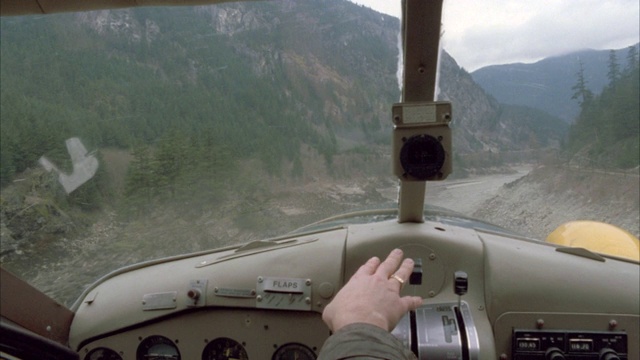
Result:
[{"x": 84, "y": 166}]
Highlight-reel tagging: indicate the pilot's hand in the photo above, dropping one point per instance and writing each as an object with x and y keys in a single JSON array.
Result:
[{"x": 372, "y": 295}]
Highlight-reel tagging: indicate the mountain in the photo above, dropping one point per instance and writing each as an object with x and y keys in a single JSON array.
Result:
[
  {"x": 546, "y": 84},
  {"x": 263, "y": 80},
  {"x": 192, "y": 106},
  {"x": 486, "y": 131}
]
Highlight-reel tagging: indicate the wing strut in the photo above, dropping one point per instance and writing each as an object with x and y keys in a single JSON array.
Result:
[{"x": 421, "y": 46}]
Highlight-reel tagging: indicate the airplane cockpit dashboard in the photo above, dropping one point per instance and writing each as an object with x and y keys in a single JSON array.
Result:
[
  {"x": 487, "y": 293},
  {"x": 264, "y": 299}
]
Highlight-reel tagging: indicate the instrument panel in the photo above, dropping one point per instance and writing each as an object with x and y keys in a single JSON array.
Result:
[
  {"x": 265, "y": 300},
  {"x": 217, "y": 335}
]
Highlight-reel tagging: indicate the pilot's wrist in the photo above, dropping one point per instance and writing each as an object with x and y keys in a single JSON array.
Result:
[{"x": 364, "y": 341}]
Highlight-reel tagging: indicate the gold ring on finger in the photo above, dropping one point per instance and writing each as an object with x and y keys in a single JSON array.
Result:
[{"x": 396, "y": 277}]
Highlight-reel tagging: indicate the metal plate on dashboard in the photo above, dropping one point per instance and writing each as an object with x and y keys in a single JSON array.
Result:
[
  {"x": 159, "y": 301},
  {"x": 283, "y": 293}
]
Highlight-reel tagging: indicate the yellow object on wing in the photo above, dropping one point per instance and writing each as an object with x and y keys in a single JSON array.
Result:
[{"x": 597, "y": 237}]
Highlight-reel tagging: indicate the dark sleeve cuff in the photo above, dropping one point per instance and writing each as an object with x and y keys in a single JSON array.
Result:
[{"x": 364, "y": 341}]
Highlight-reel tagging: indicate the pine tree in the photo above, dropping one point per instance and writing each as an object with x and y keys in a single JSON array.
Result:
[
  {"x": 614, "y": 68},
  {"x": 141, "y": 182},
  {"x": 580, "y": 90},
  {"x": 632, "y": 59}
]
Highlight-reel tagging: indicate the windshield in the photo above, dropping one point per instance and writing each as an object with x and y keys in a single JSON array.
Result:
[{"x": 135, "y": 134}]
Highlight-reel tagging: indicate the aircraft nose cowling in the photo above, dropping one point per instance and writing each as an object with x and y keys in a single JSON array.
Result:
[{"x": 598, "y": 237}]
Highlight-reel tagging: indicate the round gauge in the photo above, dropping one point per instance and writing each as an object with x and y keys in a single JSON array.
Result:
[
  {"x": 102, "y": 354},
  {"x": 422, "y": 156},
  {"x": 224, "y": 349},
  {"x": 157, "y": 347},
  {"x": 293, "y": 351}
]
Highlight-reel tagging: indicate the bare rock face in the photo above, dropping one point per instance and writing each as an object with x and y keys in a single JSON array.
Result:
[
  {"x": 121, "y": 23},
  {"x": 234, "y": 18}
]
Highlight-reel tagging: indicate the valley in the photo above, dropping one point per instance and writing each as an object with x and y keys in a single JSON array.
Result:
[
  {"x": 223, "y": 125},
  {"x": 522, "y": 200}
]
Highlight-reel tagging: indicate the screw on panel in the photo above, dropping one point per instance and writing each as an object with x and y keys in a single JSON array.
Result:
[
  {"x": 432, "y": 293},
  {"x": 396, "y": 119},
  {"x": 260, "y": 279},
  {"x": 253, "y": 291},
  {"x": 432, "y": 256},
  {"x": 259, "y": 298},
  {"x": 481, "y": 308},
  {"x": 421, "y": 69},
  {"x": 215, "y": 290},
  {"x": 539, "y": 323},
  {"x": 308, "y": 282},
  {"x": 307, "y": 300},
  {"x": 503, "y": 357},
  {"x": 613, "y": 324}
]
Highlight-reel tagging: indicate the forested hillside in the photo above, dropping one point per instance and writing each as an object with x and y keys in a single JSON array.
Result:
[
  {"x": 212, "y": 125},
  {"x": 213, "y": 109},
  {"x": 487, "y": 133},
  {"x": 606, "y": 134},
  {"x": 546, "y": 84},
  {"x": 133, "y": 77},
  {"x": 253, "y": 80}
]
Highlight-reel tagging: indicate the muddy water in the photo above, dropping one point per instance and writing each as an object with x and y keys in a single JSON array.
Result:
[{"x": 463, "y": 195}]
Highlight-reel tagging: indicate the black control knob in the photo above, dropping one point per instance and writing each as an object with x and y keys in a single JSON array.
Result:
[
  {"x": 460, "y": 283},
  {"x": 554, "y": 354},
  {"x": 608, "y": 354},
  {"x": 416, "y": 274}
]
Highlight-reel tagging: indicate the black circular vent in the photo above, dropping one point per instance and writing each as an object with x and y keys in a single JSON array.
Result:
[{"x": 422, "y": 156}]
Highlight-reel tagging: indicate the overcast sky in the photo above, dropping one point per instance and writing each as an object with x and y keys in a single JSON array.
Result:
[{"x": 486, "y": 32}]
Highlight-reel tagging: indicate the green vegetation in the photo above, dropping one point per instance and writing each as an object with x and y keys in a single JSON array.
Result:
[
  {"x": 197, "y": 108},
  {"x": 137, "y": 86},
  {"x": 607, "y": 131}
]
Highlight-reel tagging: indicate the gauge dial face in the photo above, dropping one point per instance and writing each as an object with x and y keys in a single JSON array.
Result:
[
  {"x": 224, "y": 349},
  {"x": 102, "y": 354},
  {"x": 294, "y": 351},
  {"x": 157, "y": 348}
]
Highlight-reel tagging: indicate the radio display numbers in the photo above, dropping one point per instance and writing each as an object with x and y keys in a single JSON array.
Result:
[
  {"x": 581, "y": 345},
  {"x": 528, "y": 344}
]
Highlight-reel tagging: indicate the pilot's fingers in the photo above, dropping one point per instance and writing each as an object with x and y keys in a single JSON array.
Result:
[
  {"x": 411, "y": 303},
  {"x": 389, "y": 266},
  {"x": 405, "y": 269},
  {"x": 369, "y": 268}
]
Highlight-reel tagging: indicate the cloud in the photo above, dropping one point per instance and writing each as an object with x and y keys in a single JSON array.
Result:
[
  {"x": 479, "y": 33},
  {"x": 532, "y": 31}
]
